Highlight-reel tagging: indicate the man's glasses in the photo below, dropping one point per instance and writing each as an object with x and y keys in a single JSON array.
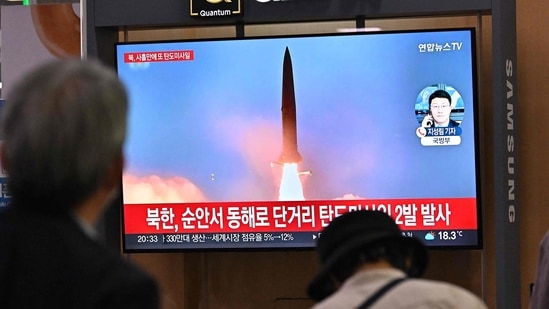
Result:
[{"x": 443, "y": 106}]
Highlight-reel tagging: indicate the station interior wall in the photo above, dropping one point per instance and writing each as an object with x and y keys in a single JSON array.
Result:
[{"x": 277, "y": 279}]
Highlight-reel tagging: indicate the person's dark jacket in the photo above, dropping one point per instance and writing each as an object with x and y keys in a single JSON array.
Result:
[{"x": 47, "y": 261}]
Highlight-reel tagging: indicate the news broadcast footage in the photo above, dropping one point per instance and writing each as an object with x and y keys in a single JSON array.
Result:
[{"x": 260, "y": 142}]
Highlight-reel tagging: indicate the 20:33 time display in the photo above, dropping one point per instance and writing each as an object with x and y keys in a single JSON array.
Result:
[{"x": 147, "y": 238}]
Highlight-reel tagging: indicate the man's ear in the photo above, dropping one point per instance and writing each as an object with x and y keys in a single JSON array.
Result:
[
  {"x": 335, "y": 283},
  {"x": 114, "y": 173},
  {"x": 3, "y": 158}
]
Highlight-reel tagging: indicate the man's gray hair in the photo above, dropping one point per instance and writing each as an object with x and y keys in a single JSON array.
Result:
[{"x": 63, "y": 125}]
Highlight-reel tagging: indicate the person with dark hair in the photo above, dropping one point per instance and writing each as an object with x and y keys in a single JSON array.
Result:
[
  {"x": 64, "y": 126},
  {"x": 440, "y": 108},
  {"x": 366, "y": 262}
]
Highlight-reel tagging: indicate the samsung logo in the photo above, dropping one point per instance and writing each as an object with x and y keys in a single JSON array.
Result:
[{"x": 512, "y": 212}]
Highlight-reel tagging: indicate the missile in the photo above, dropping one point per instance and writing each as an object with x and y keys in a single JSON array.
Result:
[{"x": 289, "y": 128}]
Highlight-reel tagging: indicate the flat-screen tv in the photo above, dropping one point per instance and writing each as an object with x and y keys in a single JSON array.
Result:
[{"x": 258, "y": 142}]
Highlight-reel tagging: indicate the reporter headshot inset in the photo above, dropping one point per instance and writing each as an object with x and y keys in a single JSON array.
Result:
[
  {"x": 439, "y": 111},
  {"x": 441, "y": 93},
  {"x": 440, "y": 107}
]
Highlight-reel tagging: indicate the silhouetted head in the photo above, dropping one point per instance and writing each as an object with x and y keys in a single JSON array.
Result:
[{"x": 359, "y": 237}]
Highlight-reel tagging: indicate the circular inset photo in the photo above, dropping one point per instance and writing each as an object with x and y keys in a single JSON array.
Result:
[{"x": 439, "y": 105}]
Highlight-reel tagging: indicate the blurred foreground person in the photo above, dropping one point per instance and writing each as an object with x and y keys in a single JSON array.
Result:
[
  {"x": 540, "y": 291},
  {"x": 367, "y": 263},
  {"x": 64, "y": 126}
]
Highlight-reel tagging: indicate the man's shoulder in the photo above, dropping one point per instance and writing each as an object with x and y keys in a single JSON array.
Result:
[
  {"x": 56, "y": 241},
  {"x": 412, "y": 293},
  {"x": 453, "y": 123},
  {"x": 58, "y": 255},
  {"x": 441, "y": 291}
]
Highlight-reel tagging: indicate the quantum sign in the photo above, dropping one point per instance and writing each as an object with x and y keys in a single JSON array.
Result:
[{"x": 215, "y": 8}]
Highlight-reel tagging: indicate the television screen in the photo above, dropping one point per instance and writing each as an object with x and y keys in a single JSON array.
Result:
[{"x": 248, "y": 143}]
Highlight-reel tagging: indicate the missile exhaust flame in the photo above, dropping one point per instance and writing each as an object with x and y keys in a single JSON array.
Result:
[{"x": 291, "y": 188}]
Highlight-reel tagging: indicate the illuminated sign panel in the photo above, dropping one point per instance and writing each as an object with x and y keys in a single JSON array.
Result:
[{"x": 215, "y": 8}]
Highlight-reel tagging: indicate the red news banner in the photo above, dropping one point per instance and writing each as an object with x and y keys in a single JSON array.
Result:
[{"x": 293, "y": 216}]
